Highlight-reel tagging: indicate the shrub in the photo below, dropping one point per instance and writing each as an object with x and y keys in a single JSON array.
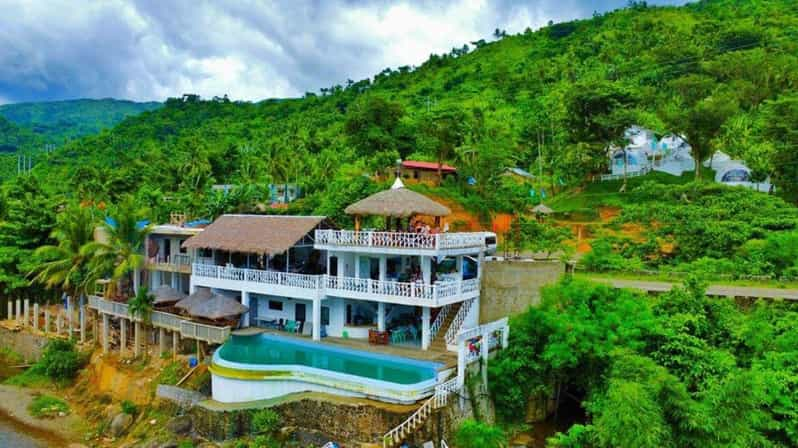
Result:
[
  {"x": 474, "y": 434},
  {"x": 130, "y": 408},
  {"x": 265, "y": 421},
  {"x": 47, "y": 406},
  {"x": 60, "y": 360}
]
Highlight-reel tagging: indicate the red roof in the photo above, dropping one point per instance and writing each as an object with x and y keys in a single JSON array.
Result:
[{"x": 432, "y": 166}]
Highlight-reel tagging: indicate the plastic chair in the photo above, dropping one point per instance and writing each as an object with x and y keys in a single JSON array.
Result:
[{"x": 290, "y": 326}]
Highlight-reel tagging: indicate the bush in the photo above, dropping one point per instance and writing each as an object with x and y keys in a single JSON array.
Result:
[
  {"x": 47, "y": 406},
  {"x": 474, "y": 434},
  {"x": 60, "y": 360},
  {"x": 265, "y": 421},
  {"x": 130, "y": 408}
]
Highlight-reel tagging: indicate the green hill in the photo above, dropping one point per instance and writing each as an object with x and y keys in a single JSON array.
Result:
[
  {"x": 58, "y": 121},
  {"x": 722, "y": 73}
]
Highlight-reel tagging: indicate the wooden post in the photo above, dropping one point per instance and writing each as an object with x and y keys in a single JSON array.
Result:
[
  {"x": 105, "y": 333},
  {"x": 35, "y": 317},
  {"x": 122, "y": 337},
  {"x": 46, "y": 321},
  {"x": 357, "y": 223},
  {"x": 199, "y": 351}
]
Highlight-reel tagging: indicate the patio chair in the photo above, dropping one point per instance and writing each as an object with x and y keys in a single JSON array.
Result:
[
  {"x": 290, "y": 326},
  {"x": 299, "y": 326}
]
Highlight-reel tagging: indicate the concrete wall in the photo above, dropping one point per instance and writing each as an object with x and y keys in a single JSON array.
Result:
[
  {"x": 511, "y": 287},
  {"x": 26, "y": 344}
]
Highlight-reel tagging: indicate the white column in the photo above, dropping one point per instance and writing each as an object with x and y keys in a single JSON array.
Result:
[
  {"x": 122, "y": 336},
  {"x": 245, "y": 301},
  {"x": 357, "y": 265},
  {"x": 137, "y": 339},
  {"x": 191, "y": 287},
  {"x": 480, "y": 262},
  {"x": 105, "y": 332},
  {"x": 35, "y": 317},
  {"x": 136, "y": 280},
  {"x": 459, "y": 262},
  {"x": 341, "y": 265},
  {"x": 161, "y": 341},
  {"x": 26, "y": 313},
  {"x": 425, "y": 330},
  {"x": 380, "y": 316},
  {"x": 506, "y": 337},
  {"x": 383, "y": 267},
  {"x": 46, "y": 321},
  {"x": 461, "y": 362},
  {"x": 175, "y": 343},
  {"x": 426, "y": 269},
  {"x": 317, "y": 319},
  {"x": 175, "y": 276},
  {"x": 58, "y": 317},
  {"x": 10, "y": 304},
  {"x": 82, "y": 318},
  {"x": 19, "y": 309}
]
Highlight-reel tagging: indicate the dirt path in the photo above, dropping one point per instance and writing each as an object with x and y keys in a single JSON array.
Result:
[
  {"x": 712, "y": 290},
  {"x": 14, "y": 402}
]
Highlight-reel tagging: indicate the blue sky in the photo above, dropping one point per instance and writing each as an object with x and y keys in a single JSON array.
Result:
[{"x": 250, "y": 50}]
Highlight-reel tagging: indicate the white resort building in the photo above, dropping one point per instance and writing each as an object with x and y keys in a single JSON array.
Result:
[{"x": 292, "y": 304}]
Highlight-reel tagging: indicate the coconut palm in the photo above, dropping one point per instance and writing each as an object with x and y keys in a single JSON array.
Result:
[
  {"x": 141, "y": 305},
  {"x": 65, "y": 265},
  {"x": 119, "y": 251}
]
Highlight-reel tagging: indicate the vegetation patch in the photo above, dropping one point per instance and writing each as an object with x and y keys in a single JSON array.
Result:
[{"x": 46, "y": 406}]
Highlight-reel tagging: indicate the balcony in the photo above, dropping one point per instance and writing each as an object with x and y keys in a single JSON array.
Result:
[
  {"x": 175, "y": 263},
  {"x": 406, "y": 243},
  {"x": 303, "y": 286},
  {"x": 172, "y": 322}
]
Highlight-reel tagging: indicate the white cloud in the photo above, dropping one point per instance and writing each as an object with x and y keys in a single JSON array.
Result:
[{"x": 248, "y": 49}]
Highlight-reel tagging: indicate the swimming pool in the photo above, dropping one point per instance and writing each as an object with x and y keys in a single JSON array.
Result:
[{"x": 256, "y": 367}]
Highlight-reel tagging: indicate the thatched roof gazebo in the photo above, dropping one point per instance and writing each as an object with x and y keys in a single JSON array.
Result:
[
  {"x": 199, "y": 296},
  {"x": 166, "y": 295},
  {"x": 217, "y": 307},
  {"x": 397, "y": 202}
]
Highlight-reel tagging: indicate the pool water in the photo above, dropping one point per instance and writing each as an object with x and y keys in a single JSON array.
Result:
[{"x": 269, "y": 350}]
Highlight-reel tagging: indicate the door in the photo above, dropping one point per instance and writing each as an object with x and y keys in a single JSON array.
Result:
[{"x": 300, "y": 313}]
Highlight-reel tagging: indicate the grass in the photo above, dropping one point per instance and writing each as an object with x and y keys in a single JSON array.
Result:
[
  {"x": 30, "y": 378},
  {"x": 46, "y": 406},
  {"x": 598, "y": 194},
  {"x": 11, "y": 357}
]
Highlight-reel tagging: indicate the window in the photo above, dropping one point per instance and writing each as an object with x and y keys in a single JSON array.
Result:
[
  {"x": 275, "y": 305},
  {"x": 325, "y": 315}
]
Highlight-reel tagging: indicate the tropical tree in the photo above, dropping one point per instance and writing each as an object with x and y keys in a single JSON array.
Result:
[
  {"x": 141, "y": 304},
  {"x": 120, "y": 251},
  {"x": 66, "y": 265}
]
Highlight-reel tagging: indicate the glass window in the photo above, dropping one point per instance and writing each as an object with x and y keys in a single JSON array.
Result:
[{"x": 275, "y": 305}]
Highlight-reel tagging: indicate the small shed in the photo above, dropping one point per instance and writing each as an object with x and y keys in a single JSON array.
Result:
[{"x": 425, "y": 171}]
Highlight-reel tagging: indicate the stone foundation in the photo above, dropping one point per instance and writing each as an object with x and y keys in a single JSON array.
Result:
[{"x": 317, "y": 415}]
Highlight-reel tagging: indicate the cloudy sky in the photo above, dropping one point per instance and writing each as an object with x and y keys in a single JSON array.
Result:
[{"x": 251, "y": 50}]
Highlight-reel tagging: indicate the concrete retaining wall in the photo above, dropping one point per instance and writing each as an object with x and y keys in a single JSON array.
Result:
[
  {"x": 510, "y": 287},
  {"x": 26, "y": 344}
]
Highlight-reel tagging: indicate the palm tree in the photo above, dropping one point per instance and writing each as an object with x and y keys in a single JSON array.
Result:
[
  {"x": 65, "y": 265},
  {"x": 141, "y": 305},
  {"x": 120, "y": 252}
]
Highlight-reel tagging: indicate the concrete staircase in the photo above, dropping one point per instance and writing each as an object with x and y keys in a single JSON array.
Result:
[{"x": 439, "y": 342}]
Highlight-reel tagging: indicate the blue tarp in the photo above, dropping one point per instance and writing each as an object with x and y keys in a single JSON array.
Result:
[{"x": 197, "y": 223}]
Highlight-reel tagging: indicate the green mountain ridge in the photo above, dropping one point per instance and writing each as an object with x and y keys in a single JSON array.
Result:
[{"x": 59, "y": 121}]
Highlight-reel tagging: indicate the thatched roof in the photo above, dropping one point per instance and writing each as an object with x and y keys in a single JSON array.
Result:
[
  {"x": 200, "y": 295},
  {"x": 542, "y": 209},
  {"x": 397, "y": 202},
  {"x": 166, "y": 294},
  {"x": 257, "y": 234},
  {"x": 217, "y": 307}
]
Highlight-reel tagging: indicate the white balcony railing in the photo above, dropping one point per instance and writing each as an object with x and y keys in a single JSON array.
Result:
[
  {"x": 400, "y": 240},
  {"x": 168, "y": 321},
  {"x": 436, "y": 294}
]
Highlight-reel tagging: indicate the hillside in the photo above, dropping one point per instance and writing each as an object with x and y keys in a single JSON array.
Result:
[
  {"x": 58, "y": 121},
  {"x": 723, "y": 73}
]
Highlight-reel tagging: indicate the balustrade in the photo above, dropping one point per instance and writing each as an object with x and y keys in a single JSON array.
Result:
[{"x": 400, "y": 240}]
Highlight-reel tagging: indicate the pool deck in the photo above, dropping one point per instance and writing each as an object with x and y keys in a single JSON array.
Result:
[{"x": 446, "y": 358}]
